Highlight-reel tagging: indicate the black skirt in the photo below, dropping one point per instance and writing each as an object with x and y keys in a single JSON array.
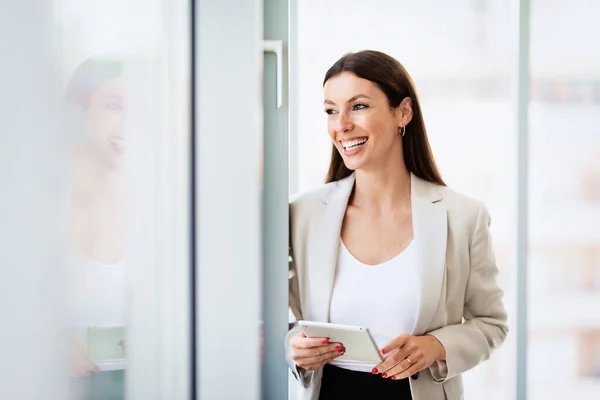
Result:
[{"x": 342, "y": 384}]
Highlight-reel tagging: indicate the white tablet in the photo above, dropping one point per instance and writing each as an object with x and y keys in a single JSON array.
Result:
[
  {"x": 357, "y": 340},
  {"x": 106, "y": 346}
]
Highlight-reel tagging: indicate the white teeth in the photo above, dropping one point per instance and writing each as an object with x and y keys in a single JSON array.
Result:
[{"x": 353, "y": 144}]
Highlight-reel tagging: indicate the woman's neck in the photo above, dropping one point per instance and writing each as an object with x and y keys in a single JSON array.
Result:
[{"x": 383, "y": 189}]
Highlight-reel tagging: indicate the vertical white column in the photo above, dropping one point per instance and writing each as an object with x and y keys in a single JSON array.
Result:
[
  {"x": 275, "y": 198},
  {"x": 523, "y": 16},
  {"x": 228, "y": 132}
]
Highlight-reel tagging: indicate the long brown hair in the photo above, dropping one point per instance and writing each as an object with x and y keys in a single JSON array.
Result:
[{"x": 393, "y": 79}]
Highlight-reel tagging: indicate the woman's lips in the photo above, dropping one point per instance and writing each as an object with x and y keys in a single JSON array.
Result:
[
  {"x": 118, "y": 143},
  {"x": 355, "y": 150}
]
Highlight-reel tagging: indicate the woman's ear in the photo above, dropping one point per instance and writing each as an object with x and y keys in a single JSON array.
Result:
[{"x": 404, "y": 112}]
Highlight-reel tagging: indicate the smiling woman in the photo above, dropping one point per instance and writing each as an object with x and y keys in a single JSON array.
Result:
[
  {"x": 384, "y": 244},
  {"x": 94, "y": 98},
  {"x": 96, "y": 245},
  {"x": 375, "y": 94}
]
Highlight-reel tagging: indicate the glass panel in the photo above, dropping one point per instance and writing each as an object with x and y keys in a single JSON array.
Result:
[
  {"x": 459, "y": 55},
  {"x": 564, "y": 241},
  {"x": 125, "y": 84},
  {"x": 95, "y": 180},
  {"x": 31, "y": 334}
]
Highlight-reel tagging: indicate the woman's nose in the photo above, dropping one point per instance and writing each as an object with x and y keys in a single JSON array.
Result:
[{"x": 344, "y": 123}]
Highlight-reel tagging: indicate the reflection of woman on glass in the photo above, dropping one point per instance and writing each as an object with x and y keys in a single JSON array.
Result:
[
  {"x": 386, "y": 245},
  {"x": 96, "y": 227}
]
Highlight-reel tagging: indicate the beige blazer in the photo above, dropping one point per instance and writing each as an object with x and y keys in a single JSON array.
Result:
[{"x": 460, "y": 300}]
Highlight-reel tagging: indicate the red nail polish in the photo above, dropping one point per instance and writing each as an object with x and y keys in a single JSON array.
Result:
[
  {"x": 374, "y": 370},
  {"x": 338, "y": 348},
  {"x": 382, "y": 351},
  {"x": 393, "y": 378},
  {"x": 384, "y": 375},
  {"x": 325, "y": 341}
]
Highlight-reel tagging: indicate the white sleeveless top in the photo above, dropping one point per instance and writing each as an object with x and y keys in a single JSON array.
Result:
[
  {"x": 383, "y": 298},
  {"x": 98, "y": 293}
]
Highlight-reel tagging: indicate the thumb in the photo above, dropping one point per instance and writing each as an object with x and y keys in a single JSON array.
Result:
[{"x": 394, "y": 344}]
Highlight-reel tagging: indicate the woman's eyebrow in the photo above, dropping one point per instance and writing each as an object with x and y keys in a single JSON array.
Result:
[{"x": 350, "y": 100}]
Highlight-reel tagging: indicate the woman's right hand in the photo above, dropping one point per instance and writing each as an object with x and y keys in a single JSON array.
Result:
[
  {"x": 313, "y": 353},
  {"x": 80, "y": 364}
]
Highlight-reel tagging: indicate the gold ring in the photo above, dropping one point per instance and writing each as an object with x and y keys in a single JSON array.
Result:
[{"x": 410, "y": 362}]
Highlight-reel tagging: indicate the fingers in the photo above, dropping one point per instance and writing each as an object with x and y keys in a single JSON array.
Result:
[
  {"x": 302, "y": 342},
  {"x": 394, "y": 344},
  {"x": 95, "y": 367},
  {"x": 312, "y": 353},
  {"x": 417, "y": 353},
  {"x": 91, "y": 367},
  {"x": 413, "y": 369},
  {"x": 390, "y": 354},
  {"x": 395, "y": 357},
  {"x": 84, "y": 369},
  {"x": 398, "y": 370},
  {"x": 300, "y": 353},
  {"x": 312, "y": 363}
]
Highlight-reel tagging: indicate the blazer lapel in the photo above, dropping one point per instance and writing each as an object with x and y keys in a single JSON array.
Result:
[
  {"x": 430, "y": 230},
  {"x": 325, "y": 233}
]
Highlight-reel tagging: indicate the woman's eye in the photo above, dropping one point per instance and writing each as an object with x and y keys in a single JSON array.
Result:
[
  {"x": 360, "y": 106},
  {"x": 329, "y": 111}
]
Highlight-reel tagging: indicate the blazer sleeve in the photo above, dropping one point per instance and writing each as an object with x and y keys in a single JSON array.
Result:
[
  {"x": 303, "y": 376},
  {"x": 484, "y": 328}
]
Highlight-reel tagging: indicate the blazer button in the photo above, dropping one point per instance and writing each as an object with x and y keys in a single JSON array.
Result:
[{"x": 415, "y": 376}]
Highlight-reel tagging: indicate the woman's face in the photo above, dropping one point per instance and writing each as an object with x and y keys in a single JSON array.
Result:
[
  {"x": 361, "y": 123},
  {"x": 104, "y": 116}
]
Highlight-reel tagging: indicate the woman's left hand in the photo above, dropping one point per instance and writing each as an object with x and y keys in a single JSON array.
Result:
[{"x": 406, "y": 355}]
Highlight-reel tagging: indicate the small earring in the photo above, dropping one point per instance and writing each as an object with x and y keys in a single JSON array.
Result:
[{"x": 402, "y": 130}]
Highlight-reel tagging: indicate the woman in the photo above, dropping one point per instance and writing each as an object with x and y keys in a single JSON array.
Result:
[
  {"x": 386, "y": 245},
  {"x": 94, "y": 99}
]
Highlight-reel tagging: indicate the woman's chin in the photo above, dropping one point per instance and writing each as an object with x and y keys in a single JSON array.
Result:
[{"x": 353, "y": 165}]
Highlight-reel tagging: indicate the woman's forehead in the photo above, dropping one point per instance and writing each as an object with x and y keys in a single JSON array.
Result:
[{"x": 346, "y": 86}]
